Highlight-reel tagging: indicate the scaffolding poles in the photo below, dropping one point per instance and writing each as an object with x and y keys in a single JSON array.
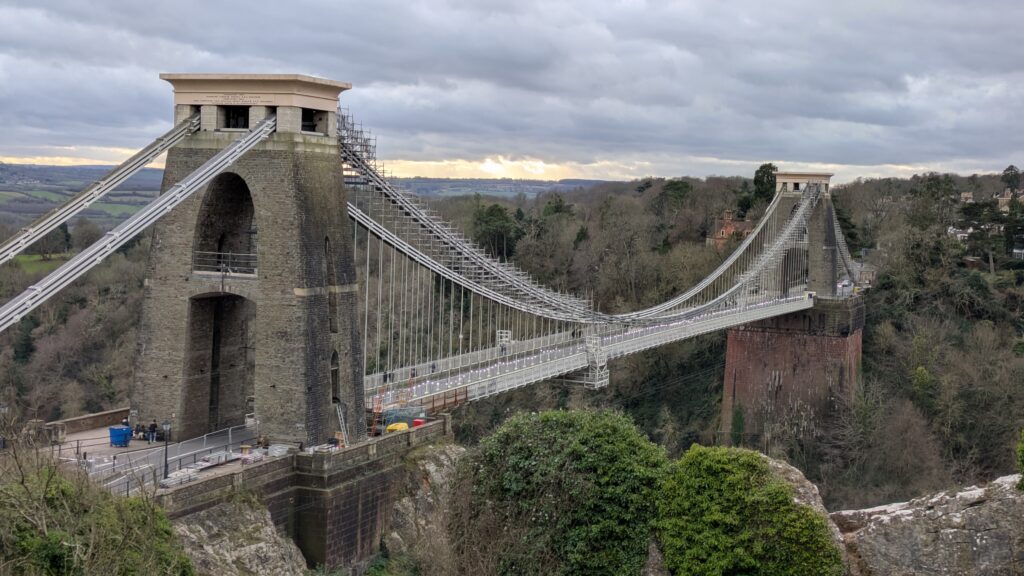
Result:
[{"x": 366, "y": 303}]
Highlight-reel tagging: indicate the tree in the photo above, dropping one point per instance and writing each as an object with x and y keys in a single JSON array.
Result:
[
  {"x": 764, "y": 181},
  {"x": 673, "y": 195},
  {"x": 496, "y": 230},
  {"x": 54, "y": 242},
  {"x": 1011, "y": 177},
  {"x": 84, "y": 234},
  {"x": 849, "y": 230},
  {"x": 556, "y": 205},
  {"x": 56, "y": 521},
  {"x": 745, "y": 203},
  {"x": 24, "y": 346},
  {"x": 934, "y": 200}
]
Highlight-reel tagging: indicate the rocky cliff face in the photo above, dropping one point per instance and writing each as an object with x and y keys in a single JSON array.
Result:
[
  {"x": 238, "y": 539},
  {"x": 419, "y": 516},
  {"x": 977, "y": 531}
]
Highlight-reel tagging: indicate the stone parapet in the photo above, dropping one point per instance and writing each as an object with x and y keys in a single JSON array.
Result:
[{"x": 93, "y": 421}]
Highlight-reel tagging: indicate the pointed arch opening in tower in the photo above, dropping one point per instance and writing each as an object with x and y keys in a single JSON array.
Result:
[
  {"x": 221, "y": 363},
  {"x": 225, "y": 238}
]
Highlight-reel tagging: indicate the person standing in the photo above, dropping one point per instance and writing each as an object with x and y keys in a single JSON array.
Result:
[{"x": 152, "y": 432}]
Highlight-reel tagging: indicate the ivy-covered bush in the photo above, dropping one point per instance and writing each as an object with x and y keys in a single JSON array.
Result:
[
  {"x": 721, "y": 511},
  {"x": 557, "y": 493}
]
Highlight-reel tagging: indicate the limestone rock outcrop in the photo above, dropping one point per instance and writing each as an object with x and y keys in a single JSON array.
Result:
[
  {"x": 238, "y": 539},
  {"x": 806, "y": 493},
  {"x": 418, "y": 518},
  {"x": 977, "y": 531},
  {"x": 655, "y": 565}
]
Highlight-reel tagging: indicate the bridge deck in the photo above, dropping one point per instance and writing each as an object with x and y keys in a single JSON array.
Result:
[{"x": 502, "y": 372}]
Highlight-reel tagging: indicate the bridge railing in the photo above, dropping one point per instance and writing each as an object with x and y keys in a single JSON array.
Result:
[
  {"x": 400, "y": 378},
  {"x": 118, "y": 470},
  {"x": 514, "y": 371},
  {"x": 224, "y": 263}
]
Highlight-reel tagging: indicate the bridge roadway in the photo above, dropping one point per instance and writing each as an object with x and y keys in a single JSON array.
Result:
[{"x": 488, "y": 372}]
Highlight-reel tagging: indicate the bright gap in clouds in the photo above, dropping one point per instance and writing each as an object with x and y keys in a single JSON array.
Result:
[{"x": 666, "y": 165}]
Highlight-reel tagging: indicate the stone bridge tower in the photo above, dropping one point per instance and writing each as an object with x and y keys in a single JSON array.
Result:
[
  {"x": 796, "y": 370},
  {"x": 249, "y": 300}
]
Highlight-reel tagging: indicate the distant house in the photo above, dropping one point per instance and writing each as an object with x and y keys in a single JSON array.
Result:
[
  {"x": 727, "y": 227},
  {"x": 1008, "y": 196},
  {"x": 974, "y": 263},
  {"x": 960, "y": 234},
  {"x": 992, "y": 228},
  {"x": 1018, "y": 253},
  {"x": 967, "y": 197},
  {"x": 868, "y": 274}
]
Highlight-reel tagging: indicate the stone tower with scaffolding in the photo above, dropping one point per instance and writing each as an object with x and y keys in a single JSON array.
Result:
[
  {"x": 249, "y": 298},
  {"x": 787, "y": 374}
]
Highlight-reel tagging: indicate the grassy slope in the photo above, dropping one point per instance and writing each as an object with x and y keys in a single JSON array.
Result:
[{"x": 35, "y": 264}]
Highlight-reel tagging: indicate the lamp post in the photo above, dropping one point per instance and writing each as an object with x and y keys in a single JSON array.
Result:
[{"x": 167, "y": 434}]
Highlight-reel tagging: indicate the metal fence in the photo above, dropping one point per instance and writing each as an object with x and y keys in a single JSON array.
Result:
[
  {"x": 224, "y": 263},
  {"x": 127, "y": 472}
]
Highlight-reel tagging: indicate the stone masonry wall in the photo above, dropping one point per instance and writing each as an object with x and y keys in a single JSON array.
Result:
[
  {"x": 335, "y": 505},
  {"x": 296, "y": 188},
  {"x": 797, "y": 366},
  {"x": 91, "y": 421}
]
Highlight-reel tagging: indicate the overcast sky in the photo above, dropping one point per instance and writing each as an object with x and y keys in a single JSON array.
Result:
[{"x": 548, "y": 89}]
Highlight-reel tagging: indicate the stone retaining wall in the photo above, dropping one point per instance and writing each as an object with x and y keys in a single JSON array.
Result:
[
  {"x": 335, "y": 505},
  {"x": 91, "y": 421}
]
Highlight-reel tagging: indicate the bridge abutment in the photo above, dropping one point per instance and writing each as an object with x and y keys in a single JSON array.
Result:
[
  {"x": 791, "y": 370},
  {"x": 335, "y": 505}
]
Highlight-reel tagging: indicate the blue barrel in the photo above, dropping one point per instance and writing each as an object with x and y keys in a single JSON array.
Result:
[{"x": 120, "y": 436}]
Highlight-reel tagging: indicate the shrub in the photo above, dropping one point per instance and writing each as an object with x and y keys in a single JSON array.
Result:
[
  {"x": 557, "y": 493},
  {"x": 56, "y": 522},
  {"x": 722, "y": 511},
  {"x": 1020, "y": 460}
]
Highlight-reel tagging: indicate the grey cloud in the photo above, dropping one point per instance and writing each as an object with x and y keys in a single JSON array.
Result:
[{"x": 871, "y": 83}]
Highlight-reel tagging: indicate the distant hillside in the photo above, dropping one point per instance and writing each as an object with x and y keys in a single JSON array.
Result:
[{"x": 28, "y": 190}]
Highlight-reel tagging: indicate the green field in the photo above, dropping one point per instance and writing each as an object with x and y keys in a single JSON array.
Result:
[
  {"x": 6, "y": 195},
  {"x": 48, "y": 195},
  {"x": 116, "y": 209},
  {"x": 34, "y": 263}
]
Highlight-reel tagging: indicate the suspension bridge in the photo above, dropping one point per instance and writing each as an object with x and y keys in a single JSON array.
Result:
[{"x": 291, "y": 279}]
